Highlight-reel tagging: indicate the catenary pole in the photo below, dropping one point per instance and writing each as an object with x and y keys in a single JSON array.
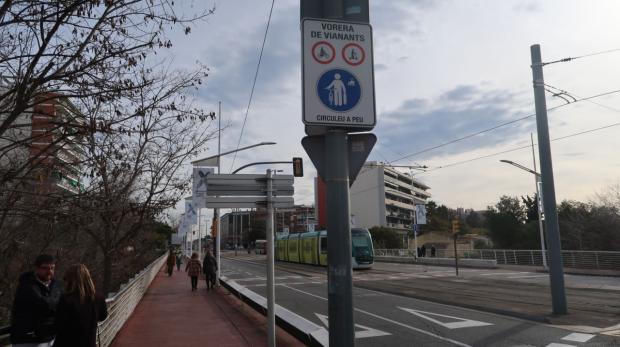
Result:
[
  {"x": 271, "y": 318},
  {"x": 556, "y": 272},
  {"x": 538, "y": 207}
]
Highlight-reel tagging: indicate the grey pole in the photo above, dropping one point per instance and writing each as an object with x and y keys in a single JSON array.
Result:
[
  {"x": 556, "y": 272},
  {"x": 538, "y": 199},
  {"x": 339, "y": 277},
  {"x": 271, "y": 317},
  {"x": 199, "y": 236},
  {"x": 216, "y": 212}
]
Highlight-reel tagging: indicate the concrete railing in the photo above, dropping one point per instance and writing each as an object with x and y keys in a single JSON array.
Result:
[
  {"x": 302, "y": 329},
  {"x": 122, "y": 303},
  {"x": 599, "y": 260}
]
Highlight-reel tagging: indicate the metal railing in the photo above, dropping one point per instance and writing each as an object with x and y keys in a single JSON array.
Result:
[
  {"x": 599, "y": 260},
  {"x": 122, "y": 304}
]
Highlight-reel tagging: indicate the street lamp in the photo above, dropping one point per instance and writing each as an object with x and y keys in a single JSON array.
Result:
[
  {"x": 208, "y": 162},
  {"x": 537, "y": 179}
]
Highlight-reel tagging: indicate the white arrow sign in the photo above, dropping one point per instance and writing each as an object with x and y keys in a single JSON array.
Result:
[
  {"x": 366, "y": 332},
  {"x": 460, "y": 322}
]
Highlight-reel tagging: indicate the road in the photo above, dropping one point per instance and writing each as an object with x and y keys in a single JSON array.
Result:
[{"x": 385, "y": 319}]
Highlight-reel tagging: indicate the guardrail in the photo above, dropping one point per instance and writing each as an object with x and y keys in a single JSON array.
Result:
[
  {"x": 598, "y": 260},
  {"x": 302, "y": 329},
  {"x": 123, "y": 302}
]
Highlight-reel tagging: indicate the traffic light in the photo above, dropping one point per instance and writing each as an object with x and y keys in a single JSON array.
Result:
[
  {"x": 298, "y": 167},
  {"x": 455, "y": 226}
]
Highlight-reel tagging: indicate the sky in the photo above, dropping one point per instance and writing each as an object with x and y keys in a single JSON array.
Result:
[{"x": 444, "y": 69}]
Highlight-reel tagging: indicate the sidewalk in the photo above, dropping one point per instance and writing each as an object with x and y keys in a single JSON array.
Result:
[{"x": 170, "y": 314}]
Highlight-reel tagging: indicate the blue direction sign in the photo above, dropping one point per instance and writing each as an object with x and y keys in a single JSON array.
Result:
[{"x": 339, "y": 90}]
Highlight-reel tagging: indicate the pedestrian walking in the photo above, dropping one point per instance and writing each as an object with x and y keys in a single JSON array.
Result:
[
  {"x": 79, "y": 310},
  {"x": 194, "y": 269},
  {"x": 179, "y": 260},
  {"x": 209, "y": 267},
  {"x": 34, "y": 306},
  {"x": 170, "y": 262},
  {"x": 423, "y": 250},
  {"x": 433, "y": 251}
]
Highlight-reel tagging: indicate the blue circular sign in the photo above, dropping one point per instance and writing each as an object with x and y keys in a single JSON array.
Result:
[{"x": 339, "y": 90}]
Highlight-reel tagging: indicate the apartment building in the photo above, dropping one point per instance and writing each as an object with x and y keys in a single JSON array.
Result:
[{"x": 44, "y": 147}]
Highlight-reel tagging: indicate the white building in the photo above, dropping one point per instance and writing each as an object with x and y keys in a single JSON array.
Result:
[{"x": 383, "y": 196}]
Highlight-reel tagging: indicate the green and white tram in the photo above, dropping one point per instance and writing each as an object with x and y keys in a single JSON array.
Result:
[{"x": 311, "y": 248}]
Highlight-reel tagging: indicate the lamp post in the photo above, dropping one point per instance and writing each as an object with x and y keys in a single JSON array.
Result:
[
  {"x": 538, "y": 207},
  {"x": 208, "y": 161}
]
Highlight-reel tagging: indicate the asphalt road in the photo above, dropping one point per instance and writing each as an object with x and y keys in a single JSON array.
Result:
[{"x": 384, "y": 319}]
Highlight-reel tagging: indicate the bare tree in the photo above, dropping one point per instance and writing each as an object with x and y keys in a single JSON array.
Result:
[
  {"x": 136, "y": 164},
  {"x": 80, "y": 49}
]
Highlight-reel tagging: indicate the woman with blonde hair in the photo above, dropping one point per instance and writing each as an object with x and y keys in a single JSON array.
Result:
[{"x": 79, "y": 310}]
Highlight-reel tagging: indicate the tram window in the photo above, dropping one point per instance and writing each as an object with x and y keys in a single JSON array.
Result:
[
  {"x": 323, "y": 244},
  {"x": 360, "y": 241}
]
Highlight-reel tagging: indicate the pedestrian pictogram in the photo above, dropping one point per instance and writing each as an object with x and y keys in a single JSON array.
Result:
[
  {"x": 339, "y": 90},
  {"x": 323, "y": 52},
  {"x": 353, "y": 54}
]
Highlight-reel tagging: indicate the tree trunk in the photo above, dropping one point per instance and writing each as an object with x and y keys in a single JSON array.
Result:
[{"x": 107, "y": 272}]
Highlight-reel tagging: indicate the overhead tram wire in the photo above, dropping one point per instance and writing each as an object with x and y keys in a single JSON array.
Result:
[
  {"x": 565, "y": 60},
  {"x": 588, "y": 99},
  {"x": 260, "y": 58},
  {"x": 523, "y": 147},
  {"x": 500, "y": 125}
]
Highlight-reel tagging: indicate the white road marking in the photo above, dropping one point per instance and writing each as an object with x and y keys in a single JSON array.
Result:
[
  {"x": 457, "y": 343},
  {"x": 578, "y": 337},
  {"x": 559, "y": 345},
  {"x": 460, "y": 323},
  {"x": 504, "y": 273},
  {"x": 531, "y": 276},
  {"x": 360, "y": 334}
]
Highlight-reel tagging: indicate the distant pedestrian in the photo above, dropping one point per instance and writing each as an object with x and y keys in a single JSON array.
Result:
[
  {"x": 170, "y": 262},
  {"x": 194, "y": 269},
  {"x": 423, "y": 250},
  {"x": 433, "y": 251},
  {"x": 79, "y": 310},
  {"x": 179, "y": 260},
  {"x": 209, "y": 267},
  {"x": 34, "y": 306}
]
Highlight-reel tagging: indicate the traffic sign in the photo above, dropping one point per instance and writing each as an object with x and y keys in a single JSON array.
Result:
[
  {"x": 338, "y": 75},
  {"x": 359, "y": 147}
]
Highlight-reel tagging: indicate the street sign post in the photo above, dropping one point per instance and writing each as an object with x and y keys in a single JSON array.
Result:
[
  {"x": 338, "y": 99},
  {"x": 338, "y": 75},
  {"x": 251, "y": 191}
]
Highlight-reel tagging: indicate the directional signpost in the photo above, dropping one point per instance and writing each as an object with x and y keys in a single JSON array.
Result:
[{"x": 255, "y": 191}]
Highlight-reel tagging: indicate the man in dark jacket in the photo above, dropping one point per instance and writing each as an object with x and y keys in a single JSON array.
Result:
[{"x": 34, "y": 307}]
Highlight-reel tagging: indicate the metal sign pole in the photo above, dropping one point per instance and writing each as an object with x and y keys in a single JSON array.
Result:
[
  {"x": 271, "y": 317},
  {"x": 556, "y": 272},
  {"x": 339, "y": 278}
]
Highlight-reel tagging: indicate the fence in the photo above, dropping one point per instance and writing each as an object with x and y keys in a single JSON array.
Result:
[
  {"x": 599, "y": 260},
  {"x": 122, "y": 304}
]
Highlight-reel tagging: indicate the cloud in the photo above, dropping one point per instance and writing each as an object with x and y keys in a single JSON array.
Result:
[
  {"x": 418, "y": 124},
  {"x": 528, "y": 6}
]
